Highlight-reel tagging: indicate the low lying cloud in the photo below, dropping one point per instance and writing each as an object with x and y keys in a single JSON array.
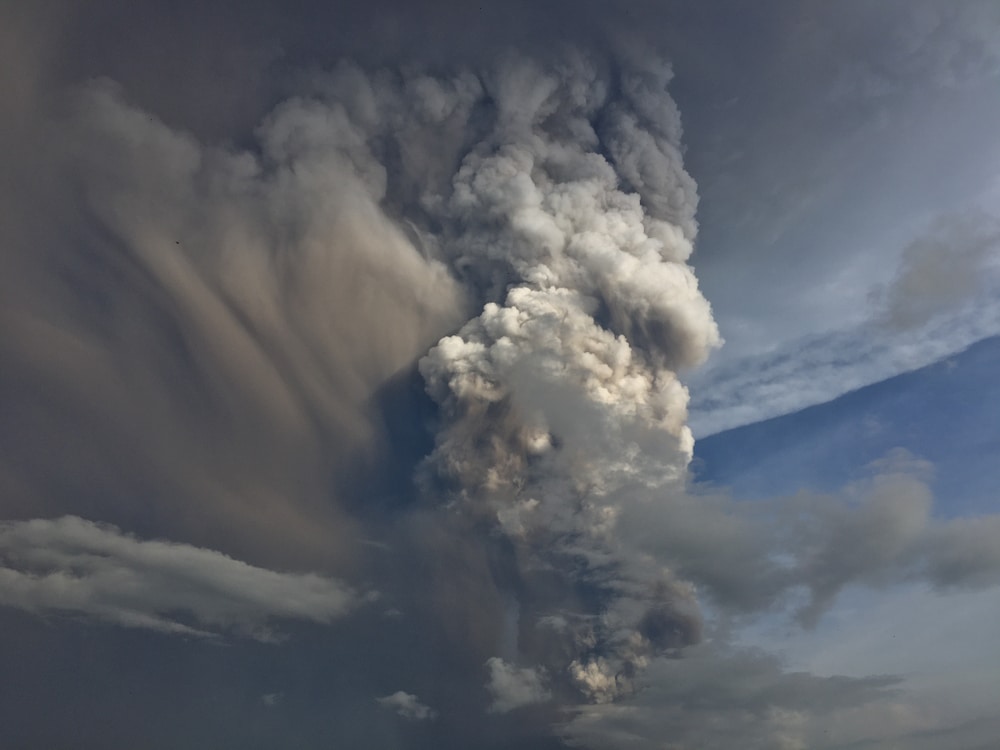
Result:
[
  {"x": 73, "y": 566},
  {"x": 717, "y": 698},
  {"x": 765, "y": 555}
]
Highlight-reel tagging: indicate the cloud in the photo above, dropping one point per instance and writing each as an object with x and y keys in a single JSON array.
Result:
[
  {"x": 718, "y": 697},
  {"x": 799, "y": 219},
  {"x": 227, "y": 323},
  {"x": 962, "y": 553},
  {"x": 867, "y": 537},
  {"x": 946, "y": 267},
  {"x": 407, "y": 706},
  {"x": 935, "y": 46},
  {"x": 70, "y": 565},
  {"x": 762, "y": 555},
  {"x": 564, "y": 387},
  {"x": 513, "y": 687},
  {"x": 941, "y": 299},
  {"x": 819, "y": 368}
]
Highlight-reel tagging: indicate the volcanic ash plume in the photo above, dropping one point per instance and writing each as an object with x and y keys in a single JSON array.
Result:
[
  {"x": 571, "y": 218},
  {"x": 545, "y": 204}
]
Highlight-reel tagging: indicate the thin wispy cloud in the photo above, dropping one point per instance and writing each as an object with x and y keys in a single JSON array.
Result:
[{"x": 69, "y": 566}]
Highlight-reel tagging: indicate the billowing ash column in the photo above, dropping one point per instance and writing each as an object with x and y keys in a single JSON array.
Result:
[{"x": 570, "y": 219}]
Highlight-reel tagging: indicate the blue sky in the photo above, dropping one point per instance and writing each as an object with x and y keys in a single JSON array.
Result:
[{"x": 944, "y": 413}]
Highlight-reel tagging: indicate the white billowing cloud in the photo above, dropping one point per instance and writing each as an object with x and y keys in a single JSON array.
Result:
[
  {"x": 70, "y": 565},
  {"x": 573, "y": 217},
  {"x": 513, "y": 687},
  {"x": 407, "y": 705}
]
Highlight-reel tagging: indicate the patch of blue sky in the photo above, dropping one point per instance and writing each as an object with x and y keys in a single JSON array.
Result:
[{"x": 946, "y": 413}]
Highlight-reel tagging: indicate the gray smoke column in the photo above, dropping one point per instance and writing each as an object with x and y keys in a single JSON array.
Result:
[{"x": 572, "y": 219}]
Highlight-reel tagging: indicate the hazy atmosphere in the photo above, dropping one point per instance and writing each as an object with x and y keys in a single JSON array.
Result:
[{"x": 537, "y": 375}]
